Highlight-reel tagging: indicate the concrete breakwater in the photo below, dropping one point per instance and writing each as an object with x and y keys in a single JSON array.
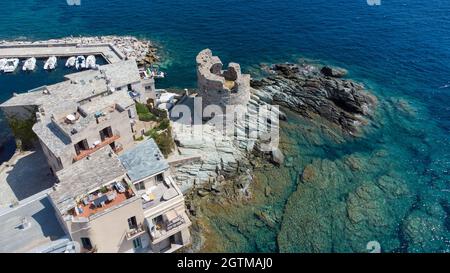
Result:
[{"x": 113, "y": 48}]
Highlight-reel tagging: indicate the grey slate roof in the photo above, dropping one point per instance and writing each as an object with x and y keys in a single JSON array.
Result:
[
  {"x": 143, "y": 160},
  {"x": 51, "y": 136},
  {"x": 86, "y": 175},
  {"x": 64, "y": 98},
  {"x": 120, "y": 73},
  {"x": 79, "y": 86},
  {"x": 44, "y": 230},
  {"x": 120, "y": 98},
  {"x": 53, "y": 95}
]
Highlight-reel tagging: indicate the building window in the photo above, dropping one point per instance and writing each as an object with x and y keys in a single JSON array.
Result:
[
  {"x": 106, "y": 133},
  {"x": 81, "y": 146},
  {"x": 160, "y": 177},
  {"x": 130, "y": 113},
  {"x": 132, "y": 224},
  {"x": 86, "y": 243},
  {"x": 140, "y": 186},
  {"x": 137, "y": 243}
]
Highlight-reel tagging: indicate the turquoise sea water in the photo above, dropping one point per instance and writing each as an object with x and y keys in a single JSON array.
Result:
[{"x": 400, "y": 50}]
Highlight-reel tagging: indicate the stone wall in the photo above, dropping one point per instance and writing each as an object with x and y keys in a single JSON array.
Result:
[{"x": 221, "y": 87}]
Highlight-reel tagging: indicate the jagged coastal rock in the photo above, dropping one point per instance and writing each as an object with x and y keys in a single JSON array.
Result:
[
  {"x": 312, "y": 92},
  {"x": 334, "y": 72},
  {"x": 307, "y": 90},
  {"x": 226, "y": 170},
  {"x": 220, "y": 157}
]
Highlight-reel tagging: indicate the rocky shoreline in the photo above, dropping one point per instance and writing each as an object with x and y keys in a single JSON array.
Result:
[{"x": 311, "y": 91}]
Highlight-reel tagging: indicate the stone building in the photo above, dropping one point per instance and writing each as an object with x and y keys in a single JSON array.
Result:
[
  {"x": 221, "y": 87},
  {"x": 87, "y": 111},
  {"x": 103, "y": 201},
  {"x": 127, "y": 203}
]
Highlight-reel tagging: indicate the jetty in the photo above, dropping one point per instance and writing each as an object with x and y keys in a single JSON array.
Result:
[{"x": 112, "y": 48}]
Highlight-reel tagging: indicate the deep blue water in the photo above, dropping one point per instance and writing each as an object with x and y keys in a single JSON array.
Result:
[
  {"x": 403, "y": 45},
  {"x": 400, "y": 49}
]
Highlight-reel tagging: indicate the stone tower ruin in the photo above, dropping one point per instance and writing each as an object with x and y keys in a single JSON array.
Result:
[{"x": 221, "y": 87}]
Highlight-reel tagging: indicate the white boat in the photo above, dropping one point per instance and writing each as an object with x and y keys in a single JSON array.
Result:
[
  {"x": 158, "y": 74},
  {"x": 80, "y": 63},
  {"x": 2, "y": 64},
  {"x": 154, "y": 72},
  {"x": 71, "y": 62},
  {"x": 29, "y": 64},
  {"x": 91, "y": 62},
  {"x": 51, "y": 63},
  {"x": 11, "y": 65}
]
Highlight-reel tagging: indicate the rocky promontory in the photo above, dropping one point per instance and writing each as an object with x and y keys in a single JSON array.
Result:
[
  {"x": 230, "y": 174},
  {"x": 312, "y": 91}
]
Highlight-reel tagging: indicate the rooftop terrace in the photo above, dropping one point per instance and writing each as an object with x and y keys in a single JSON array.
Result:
[
  {"x": 77, "y": 117},
  {"x": 101, "y": 201},
  {"x": 86, "y": 176}
]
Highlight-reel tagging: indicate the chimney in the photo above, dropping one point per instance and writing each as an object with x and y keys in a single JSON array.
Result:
[{"x": 26, "y": 224}]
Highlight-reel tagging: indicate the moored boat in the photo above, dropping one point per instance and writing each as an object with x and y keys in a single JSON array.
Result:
[
  {"x": 51, "y": 63},
  {"x": 80, "y": 63},
  {"x": 29, "y": 64},
  {"x": 91, "y": 62},
  {"x": 11, "y": 65},
  {"x": 2, "y": 64},
  {"x": 154, "y": 72},
  {"x": 71, "y": 62}
]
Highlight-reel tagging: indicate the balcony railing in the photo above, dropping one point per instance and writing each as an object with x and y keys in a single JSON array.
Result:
[
  {"x": 135, "y": 232},
  {"x": 118, "y": 149},
  {"x": 165, "y": 229},
  {"x": 102, "y": 144}
]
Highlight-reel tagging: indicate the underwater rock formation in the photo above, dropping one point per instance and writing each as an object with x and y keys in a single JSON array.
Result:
[
  {"x": 336, "y": 209},
  {"x": 425, "y": 233}
]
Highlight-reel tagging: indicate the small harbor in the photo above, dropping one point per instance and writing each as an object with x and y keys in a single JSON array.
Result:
[{"x": 37, "y": 63}]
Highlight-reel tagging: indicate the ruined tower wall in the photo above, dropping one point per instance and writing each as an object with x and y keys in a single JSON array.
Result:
[{"x": 221, "y": 87}]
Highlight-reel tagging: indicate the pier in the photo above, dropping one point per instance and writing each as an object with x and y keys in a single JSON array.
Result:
[
  {"x": 108, "y": 51},
  {"x": 112, "y": 48}
]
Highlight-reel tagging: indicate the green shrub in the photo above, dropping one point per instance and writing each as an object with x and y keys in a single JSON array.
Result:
[
  {"x": 164, "y": 139},
  {"x": 146, "y": 116},
  {"x": 164, "y": 142},
  {"x": 160, "y": 113},
  {"x": 140, "y": 138},
  {"x": 151, "y": 133},
  {"x": 104, "y": 189},
  {"x": 164, "y": 124},
  {"x": 141, "y": 108},
  {"x": 22, "y": 130}
]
